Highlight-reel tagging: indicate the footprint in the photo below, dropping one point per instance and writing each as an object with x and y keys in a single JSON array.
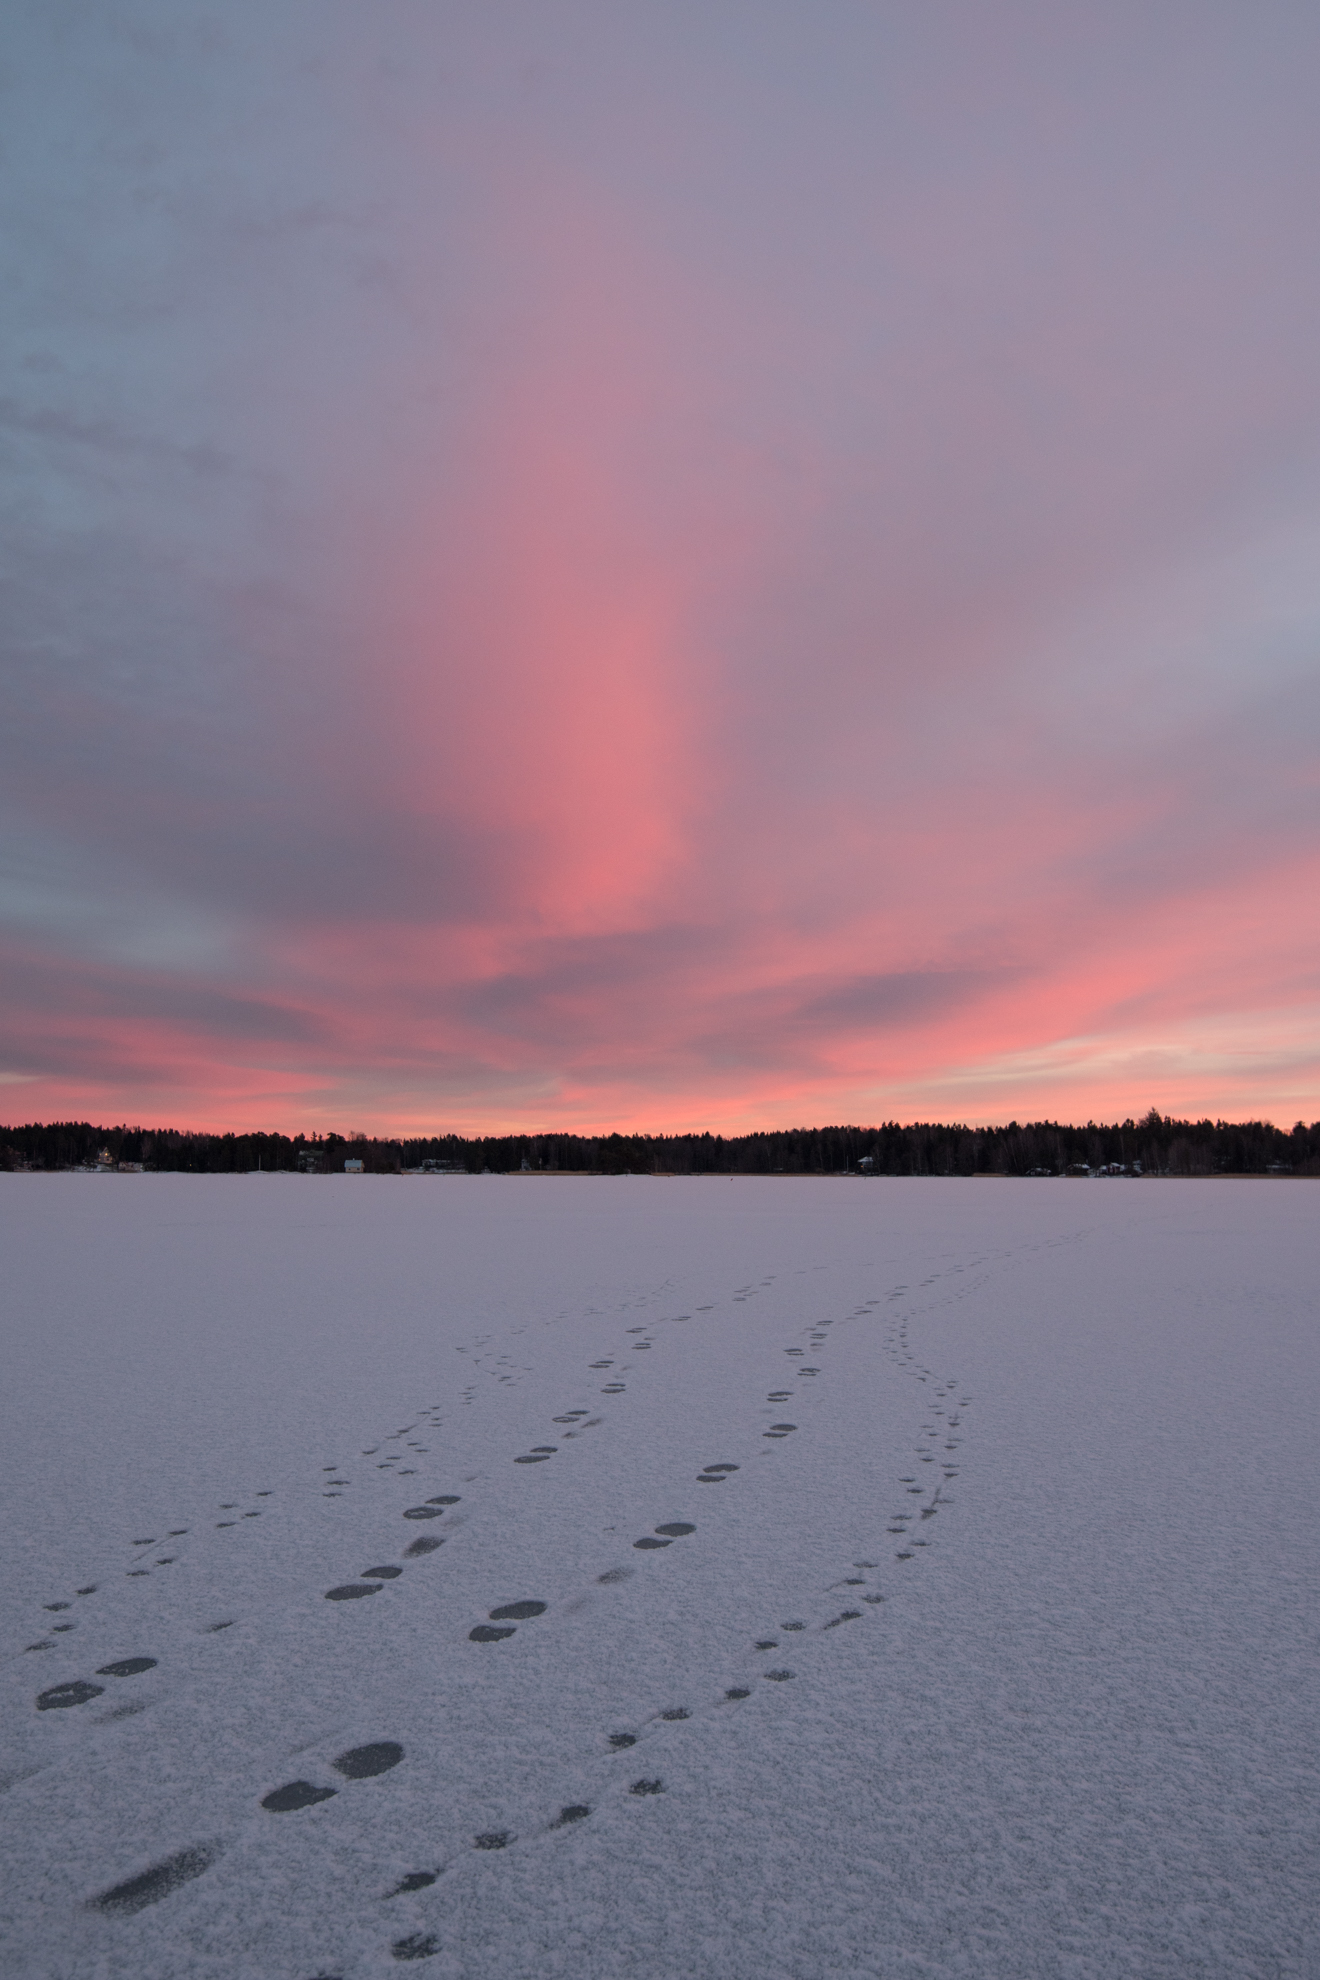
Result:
[
  {"x": 427, "y": 1544},
  {"x": 518, "y": 1612},
  {"x": 296, "y": 1794},
  {"x": 78, "y": 1691},
  {"x": 363, "y": 1763},
  {"x": 621, "y": 1740},
  {"x": 136, "y": 1893},
  {"x": 59, "y": 1695},
  {"x": 418, "y": 1945},
  {"x": 493, "y": 1839},
  {"x": 382, "y": 1573},
  {"x": 647, "y": 1787},
  {"x": 360, "y": 1763},
  {"x": 352, "y": 1591}
]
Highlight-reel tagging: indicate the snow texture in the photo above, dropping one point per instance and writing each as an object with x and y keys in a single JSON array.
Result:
[{"x": 635, "y": 1576}]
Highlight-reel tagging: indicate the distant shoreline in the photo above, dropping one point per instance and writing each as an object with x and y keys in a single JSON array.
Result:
[
  {"x": 1156, "y": 1145},
  {"x": 680, "y": 1175}
]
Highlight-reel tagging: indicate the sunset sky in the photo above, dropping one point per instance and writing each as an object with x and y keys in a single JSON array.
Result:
[{"x": 715, "y": 563}]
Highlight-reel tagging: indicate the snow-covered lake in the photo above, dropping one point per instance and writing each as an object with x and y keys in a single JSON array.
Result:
[{"x": 833, "y": 1577}]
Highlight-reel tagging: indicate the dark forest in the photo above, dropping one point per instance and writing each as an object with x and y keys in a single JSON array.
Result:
[{"x": 1155, "y": 1145}]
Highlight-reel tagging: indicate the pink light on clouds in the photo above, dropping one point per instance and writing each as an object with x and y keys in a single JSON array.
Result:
[{"x": 647, "y": 577}]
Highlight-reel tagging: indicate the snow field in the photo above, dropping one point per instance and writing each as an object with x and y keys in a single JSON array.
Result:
[{"x": 1001, "y": 1660}]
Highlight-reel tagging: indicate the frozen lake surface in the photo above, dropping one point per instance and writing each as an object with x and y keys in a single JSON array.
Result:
[{"x": 834, "y": 1577}]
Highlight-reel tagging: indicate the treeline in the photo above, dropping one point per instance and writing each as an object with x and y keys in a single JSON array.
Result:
[{"x": 1159, "y": 1145}]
